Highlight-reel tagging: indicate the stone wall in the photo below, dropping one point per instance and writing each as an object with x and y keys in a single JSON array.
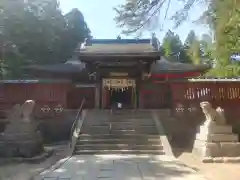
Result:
[
  {"x": 57, "y": 128},
  {"x": 180, "y": 127},
  {"x": 53, "y": 129},
  {"x": 182, "y": 124}
]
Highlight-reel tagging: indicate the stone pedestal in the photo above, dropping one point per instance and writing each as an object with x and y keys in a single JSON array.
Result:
[
  {"x": 21, "y": 138},
  {"x": 216, "y": 141}
]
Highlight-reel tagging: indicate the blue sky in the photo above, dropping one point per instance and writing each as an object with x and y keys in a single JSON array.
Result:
[{"x": 99, "y": 16}]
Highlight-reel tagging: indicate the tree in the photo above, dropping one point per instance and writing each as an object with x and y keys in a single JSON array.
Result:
[
  {"x": 226, "y": 28},
  {"x": 173, "y": 48},
  {"x": 76, "y": 31},
  {"x": 193, "y": 48},
  {"x": 167, "y": 44},
  {"x": 40, "y": 32},
  {"x": 190, "y": 38},
  {"x": 207, "y": 48},
  {"x": 134, "y": 15},
  {"x": 195, "y": 52}
]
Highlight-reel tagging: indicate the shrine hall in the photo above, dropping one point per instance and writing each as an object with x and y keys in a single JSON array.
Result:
[{"x": 133, "y": 72}]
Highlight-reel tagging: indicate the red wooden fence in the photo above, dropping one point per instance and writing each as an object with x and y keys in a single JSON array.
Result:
[
  {"x": 155, "y": 95},
  {"x": 53, "y": 94},
  {"x": 187, "y": 95}
]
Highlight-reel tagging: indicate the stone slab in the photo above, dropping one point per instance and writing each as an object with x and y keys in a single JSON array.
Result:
[
  {"x": 125, "y": 167},
  {"x": 231, "y": 159},
  {"x": 230, "y": 149},
  {"x": 212, "y": 150},
  {"x": 223, "y": 138},
  {"x": 217, "y": 129},
  {"x": 217, "y": 137}
]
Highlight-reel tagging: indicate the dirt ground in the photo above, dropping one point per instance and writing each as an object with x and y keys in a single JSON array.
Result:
[
  {"x": 24, "y": 171},
  {"x": 211, "y": 171}
]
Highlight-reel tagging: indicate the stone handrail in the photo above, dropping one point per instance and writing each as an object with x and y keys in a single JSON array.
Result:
[{"x": 75, "y": 127}]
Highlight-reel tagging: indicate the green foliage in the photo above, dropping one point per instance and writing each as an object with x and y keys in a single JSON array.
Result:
[
  {"x": 222, "y": 16},
  {"x": 190, "y": 38},
  {"x": 168, "y": 51},
  {"x": 227, "y": 30},
  {"x": 224, "y": 71},
  {"x": 193, "y": 50},
  {"x": 168, "y": 44},
  {"x": 208, "y": 49},
  {"x": 226, "y": 25},
  {"x": 39, "y": 31}
]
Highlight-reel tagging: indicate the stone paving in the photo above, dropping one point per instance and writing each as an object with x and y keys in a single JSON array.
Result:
[{"x": 121, "y": 167}]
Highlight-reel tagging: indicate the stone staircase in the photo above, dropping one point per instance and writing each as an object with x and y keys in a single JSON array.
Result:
[{"x": 119, "y": 132}]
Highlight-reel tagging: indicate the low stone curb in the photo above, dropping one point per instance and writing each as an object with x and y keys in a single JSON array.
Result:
[
  {"x": 163, "y": 137},
  {"x": 52, "y": 166}
]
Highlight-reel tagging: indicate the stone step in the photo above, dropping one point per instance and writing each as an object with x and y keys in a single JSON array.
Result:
[
  {"x": 218, "y": 137},
  {"x": 114, "y": 124},
  {"x": 224, "y": 137},
  {"x": 106, "y": 123},
  {"x": 86, "y": 141},
  {"x": 135, "y": 131},
  {"x": 114, "y": 113},
  {"x": 118, "y": 119},
  {"x": 222, "y": 149},
  {"x": 217, "y": 129},
  {"x": 117, "y": 147},
  {"x": 155, "y": 152},
  {"x": 119, "y": 136},
  {"x": 130, "y": 118},
  {"x": 119, "y": 131}
]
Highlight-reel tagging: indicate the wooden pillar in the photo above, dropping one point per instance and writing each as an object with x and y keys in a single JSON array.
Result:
[
  {"x": 138, "y": 93},
  {"x": 139, "y": 99},
  {"x": 135, "y": 97},
  {"x": 103, "y": 97},
  {"x": 97, "y": 95}
]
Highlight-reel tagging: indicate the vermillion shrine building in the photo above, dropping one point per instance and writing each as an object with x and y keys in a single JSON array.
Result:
[{"x": 104, "y": 72}]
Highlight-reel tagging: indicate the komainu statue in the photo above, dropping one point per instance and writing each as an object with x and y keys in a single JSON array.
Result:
[
  {"x": 213, "y": 116},
  {"x": 215, "y": 141},
  {"x": 21, "y": 137}
]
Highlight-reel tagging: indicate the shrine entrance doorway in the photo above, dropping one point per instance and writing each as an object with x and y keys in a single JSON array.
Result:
[
  {"x": 121, "y": 96},
  {"x": 119, "y": 91}
]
